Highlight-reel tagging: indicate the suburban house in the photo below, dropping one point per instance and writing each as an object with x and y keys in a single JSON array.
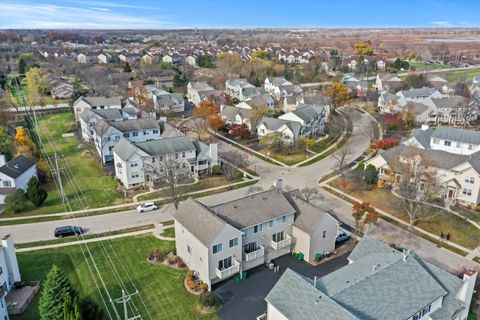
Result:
[
  {"x": 199, "y": 91},
  {"x": 392, "y": 103},
  {"x": 10, "y": 273},
  {"x": 104, "y": 57},
  {"x": 89, "y": 119},
  {"x": 236, "y": 115},
  {"x": 288, "y": 130},
  {"x": 166, "y": 101},
  {"x": 279, "y": 87},
  {"x": 129, "y": 57},
  {"x": 147, "y": 58},
  {"x": 15, "y": 174},
  {"x": 387, "y": 82},
  {"x": 95, "y": 103},
  {"x": 451, "y": 153},
  {"x": 311, "y": 118},
  {"x": 87, "y": 57},
  {"x": 173, "y": 58},
  {"x": 241, "y": 89},
  {"x": 441, "y": 84},
  {"x": 107, "y": 134},
  {"x": 262, "y": 100},
  {"x": 379, "y": 283},
  {"x": 61, "y": 89},
  {"x": 146, "y": 163},
  {"x": 223, "y": 240}
]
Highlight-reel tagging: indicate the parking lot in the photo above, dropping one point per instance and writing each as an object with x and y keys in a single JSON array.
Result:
[{"x": 244, "y": 300}]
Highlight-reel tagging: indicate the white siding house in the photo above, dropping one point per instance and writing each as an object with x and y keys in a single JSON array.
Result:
[{"x": 15, "y": 174}]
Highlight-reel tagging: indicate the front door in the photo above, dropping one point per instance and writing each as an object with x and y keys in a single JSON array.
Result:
[
  {"x": 278, "y": 237},
  {"x": 250, "y": 247},
  {"x": 225, "y": 263},
  {"x": 450, "y": 194}
]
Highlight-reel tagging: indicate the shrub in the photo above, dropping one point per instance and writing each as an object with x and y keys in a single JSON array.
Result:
[
  {"x": 361, "y": 165},
  {"x": 371, "y": 175},
  {"x": 35, "y": 193},
  {"x": 159, "y": 255},
  {"x": 192, "y": 285},
  {"x": 203, "y": 287},
  {"x": 208, "y": 299},
  {"x": 216, "y": 170},
  {"x": 384, "y": 144},
  {"x": 16, "y": 202},
  {"x": 171, "y": 259},
  {"x": 180, "y": 263},
  {"x": 150, "y": 255}
]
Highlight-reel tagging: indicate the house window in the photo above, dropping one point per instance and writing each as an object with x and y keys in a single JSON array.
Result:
[
  {"x": 145, "y": 133},
  {"x": 160, "y": 158},
  {"x": 244, "y": 233},
  {"x": 284, "y": 219},
  {"x": 467, "y": 192},
  {"x": 117, "y": 138},
  {"x": 435, "y": 141},
  {"x": 257, "y": 228},
  {"x": 7, "y": 183},
  {"x": 183, "y": 165},
  {"x": 470, "y": 147},
  {"x": 135, "y": 175},
  {"x": 225, "y": 263},
  {"x": 270, "y": 223},
  {"x": 183, "y": 154},
  {"x": 233, "y": 242},
  {"x": 110, "y": 148},
  {"x": 250, "y": 247},
  {"x": 176, "y": 155},
  {"x": 447, "y": 143},
  {"x": 189, "y": 250},
  {"x": 155, "y": 131},
  {"x": 133, "y": 164},
  {"x": 126, "y": 135},
  {"x": 278, "y": 236},
  {"x": 217, "y": 248},
  {"x": 422, "y": 313},
  {"x": 135, "y": 134},
  {"x": 470, "y": 180}
]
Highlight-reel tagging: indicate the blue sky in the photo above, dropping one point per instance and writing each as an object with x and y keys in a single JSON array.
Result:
[{"x": 122, "y": 14}]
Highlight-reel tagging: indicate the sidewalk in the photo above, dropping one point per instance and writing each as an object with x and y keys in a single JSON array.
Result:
[{"x": 122, "y": 206}]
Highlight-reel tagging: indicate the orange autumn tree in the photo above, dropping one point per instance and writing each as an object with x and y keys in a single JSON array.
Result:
[
  {"x": 206, "y": 115},
  {"x": 23, "y": 143},
  {"x": 363, "y": 214}
]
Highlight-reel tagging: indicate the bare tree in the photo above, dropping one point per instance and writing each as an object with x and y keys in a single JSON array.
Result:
[
  {"x": 341, "y": 155},
  {"x": 309, "y": 193},
  {"x": 417, "y": 184}
]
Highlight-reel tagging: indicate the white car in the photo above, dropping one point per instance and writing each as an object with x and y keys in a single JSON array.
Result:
[
  {"x": 147, "y": 206},
  {"x": 342, "y": 235}
]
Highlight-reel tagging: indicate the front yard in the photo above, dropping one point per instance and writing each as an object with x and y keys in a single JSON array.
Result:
[
  {"x": 161, "y": 287},
  {"x": 87, "y": 176},
  {"x": 462, "y": 232}
]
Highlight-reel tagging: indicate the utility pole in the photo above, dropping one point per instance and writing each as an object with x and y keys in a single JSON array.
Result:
[
  {"x": 57, "y": 173},
  {"x": 124, "y": 300}
]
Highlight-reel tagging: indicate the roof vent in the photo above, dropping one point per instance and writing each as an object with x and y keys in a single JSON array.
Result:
[
  {"x": 405, "y": 253},
  {"x": 318, "y": 299},
  {"x": 15, "y": 166},
  {"x": 234, "y": 206},
  {"x": 264, "y": 198}
]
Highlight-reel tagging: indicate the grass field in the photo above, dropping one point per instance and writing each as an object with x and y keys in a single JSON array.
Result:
[
  {"x": 97, "y": 188},
  {"x": 161, "y": 287},
  {"x": 18, "y": 101},
  {"x": 462, "y": 232},
  {"x": 459, "y": 75},
  {"x": 420, "y": 66}
]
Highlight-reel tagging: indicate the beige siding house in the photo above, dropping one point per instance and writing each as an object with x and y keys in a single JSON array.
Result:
[{"x": 226, "y": 239}]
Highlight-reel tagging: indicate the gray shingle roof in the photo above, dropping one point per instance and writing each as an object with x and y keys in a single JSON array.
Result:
[
  {"x": 450, "y": 102},
  {"x": 135, "y": 124},
  {"x": 422, "y": 136},
  {"x": 102, "y": 101},
  {"x": 419, "y": 93},
  {"x": 297, "y": 299},
  {"x": 254, "y": 209},
  {"x": 317, "y": 100},
  {"x": 109, "y": 114},
  {"x": 199, "y": 220},
  {"x": 457, "y": 134},
  {"x": 166, "y": 145},
  {"x": 124, "y": 149},
  {"x": 229, "y": 112},
  {"x": 307, "y": 217},
  {"x": 306, "y": 112},
  {"x": 17, "y": 166}
]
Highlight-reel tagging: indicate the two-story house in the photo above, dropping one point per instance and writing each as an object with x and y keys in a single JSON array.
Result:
[
  {"x": 453, "y": 154},
  {"x": 379, "y": 283},
  {"x": 200, "y": 91},
  {"x": 241, "y": 89},
  {"x": 387, "y": 82},
  {"x": 146, "y": 163},
  {"x": 392, "y": 103},
  {"x": 310, "y": 117},
  {"x": 279, "y": 87},
  {"x": 288, "y": 130},
  {"x": 236, "y": 115},
  {"x": 15, "y": 174},
  {"x": 222, "y": 240},
  {"x": 166, "y": 101},
  {"x": 95, "y": 103},
  {"x": 106, "y": 134}
]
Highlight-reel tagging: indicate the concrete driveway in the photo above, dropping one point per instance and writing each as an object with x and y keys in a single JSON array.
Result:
[{"x": 244, "y": 300}]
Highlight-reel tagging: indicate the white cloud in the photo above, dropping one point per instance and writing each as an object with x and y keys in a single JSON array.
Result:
[
  {"x": 445, "y": 24},
  {"x": 47, "y": 16}
]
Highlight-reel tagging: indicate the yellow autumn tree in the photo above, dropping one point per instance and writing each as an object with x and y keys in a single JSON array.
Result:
[
  {"x": 37, "y": 85},
  {"x": 338, "y": 93},
  {"x": 363, "y": 48},
  {"x": 23, "y": 143}
]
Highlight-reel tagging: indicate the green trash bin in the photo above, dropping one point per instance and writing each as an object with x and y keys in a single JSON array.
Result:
[{"x": 244, "y": 275}]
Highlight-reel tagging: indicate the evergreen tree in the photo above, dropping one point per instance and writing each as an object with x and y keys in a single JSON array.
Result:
[
  {"x": 126, "y": 67},
  {"x": 71, "y": 309},
  {"x": 371, "y": 175},
  {"x": 22, "y": 66},
  {"x": 6, "y": 145},
  {"x": 35, "y": 193},
  {"x": 56, "y": 290}
]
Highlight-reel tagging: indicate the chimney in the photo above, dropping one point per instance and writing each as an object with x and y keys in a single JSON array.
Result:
[
  {"x": 3, "y": 161},
  {"x": 424, "y": 127},
  {"x": 278, "y": 185}
]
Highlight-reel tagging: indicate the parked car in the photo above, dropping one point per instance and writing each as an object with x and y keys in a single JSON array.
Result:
[
  {"x": 147, "y": 206},
  {"x": 67, "y": 231},
  {"x": 342, "y": 235}
]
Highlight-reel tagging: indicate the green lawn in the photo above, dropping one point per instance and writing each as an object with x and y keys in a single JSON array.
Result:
[
  {"x": 425, "y": 66},
  {"x": 97, "y": 188},
  {"x": 288, "y": 159},
  {"x": 459, "y": 75},
  {"x": 205, "y": 182},
  {"x": 24, "y": 91},
  {"x": 463, "y": 233},
  {"x": 161, "y": 287},
  {"x": 169, "y": 233}
]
